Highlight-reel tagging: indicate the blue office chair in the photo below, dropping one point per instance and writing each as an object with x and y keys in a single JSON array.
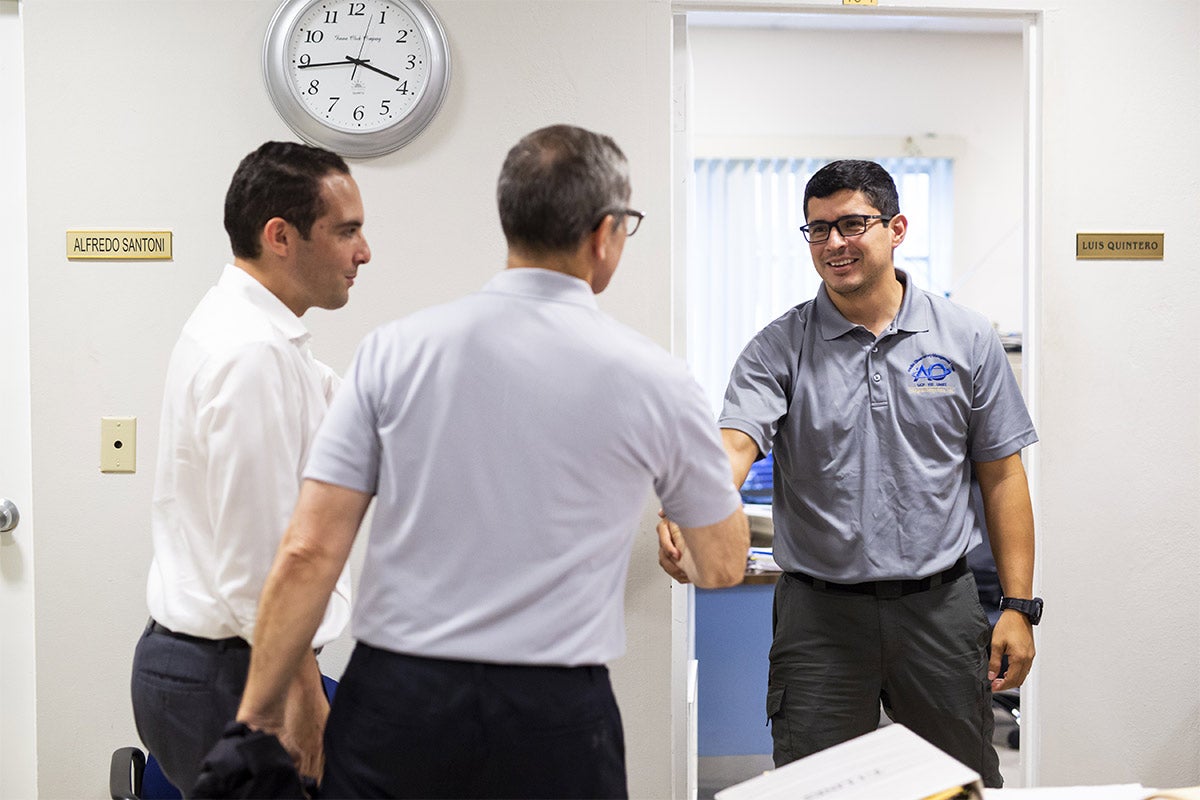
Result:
[{"x": 134, "y": 775}]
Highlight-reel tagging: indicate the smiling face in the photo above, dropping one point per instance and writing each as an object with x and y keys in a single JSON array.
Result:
[
  {"x": 327, "y": 262},
  {"x": 855, "y": 266}
]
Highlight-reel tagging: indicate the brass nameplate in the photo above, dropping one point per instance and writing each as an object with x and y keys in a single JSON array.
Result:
[
  {"x": 860, "y": 2},
  {"x": 116, "y": 245},
  {"x": 1119, "y": 246}
]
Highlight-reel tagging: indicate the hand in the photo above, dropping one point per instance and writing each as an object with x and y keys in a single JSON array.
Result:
[
  {"x": 303, "y": 737},
  {"x": 363, "y": 43},
  {"x": 310, "y": 65},
  {"x": 670, "y": 548},
  {"x": 1012, "y": 636},
  {"x": 304, "y": 723},
  {"x": 366, "y": 62}
]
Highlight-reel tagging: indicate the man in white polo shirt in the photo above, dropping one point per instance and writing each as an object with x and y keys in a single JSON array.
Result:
[
  {"x": 511, "y": 438},
  {"x": 242, "y": 403}
]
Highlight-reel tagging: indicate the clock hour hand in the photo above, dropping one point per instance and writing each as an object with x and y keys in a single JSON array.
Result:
[{"x": 366, "y": 63}]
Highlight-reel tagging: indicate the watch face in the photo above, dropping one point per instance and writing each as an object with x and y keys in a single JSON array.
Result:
[{"x": 361, "y": 78}]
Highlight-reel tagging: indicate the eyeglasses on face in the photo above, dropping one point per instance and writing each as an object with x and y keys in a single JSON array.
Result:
[
  {"x": 818, "y": 231},
  {"x": 632, "y": 220}
]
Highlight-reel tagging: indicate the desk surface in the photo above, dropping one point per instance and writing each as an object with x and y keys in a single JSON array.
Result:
[{"x": 756, "y": 578}]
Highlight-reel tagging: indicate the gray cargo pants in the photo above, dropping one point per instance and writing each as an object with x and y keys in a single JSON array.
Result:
[{"x": 836, "y": 655}]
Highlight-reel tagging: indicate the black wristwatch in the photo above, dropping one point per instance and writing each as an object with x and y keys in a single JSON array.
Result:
[{"x": 1030, "y": 608}]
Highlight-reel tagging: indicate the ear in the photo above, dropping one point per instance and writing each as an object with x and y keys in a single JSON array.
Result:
[
  {"x": 898, "y": 227},
  {"x": 277, "y": 236},
  {"x": 600, "y": 240}
]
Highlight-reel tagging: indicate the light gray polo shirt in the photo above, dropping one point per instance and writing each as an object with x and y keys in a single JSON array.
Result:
[
  {"x": 511, "y": 438},
  {"x": 874, "y": 437}
]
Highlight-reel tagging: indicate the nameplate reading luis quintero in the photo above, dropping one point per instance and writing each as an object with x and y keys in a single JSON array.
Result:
[
  {"x": 1119, "y": 246},
  {"x": 115, "y": 245}
]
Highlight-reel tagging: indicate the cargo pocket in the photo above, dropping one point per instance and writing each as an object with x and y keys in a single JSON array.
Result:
[{"x": 780, "y": 734}]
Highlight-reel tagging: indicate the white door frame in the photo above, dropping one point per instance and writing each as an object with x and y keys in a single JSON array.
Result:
[
  {"x": 18, "y": 718},
  {"x": 684, "y": 779}
]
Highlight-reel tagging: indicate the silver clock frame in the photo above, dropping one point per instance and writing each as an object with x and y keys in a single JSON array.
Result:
[{"x": 365, "y": 144}]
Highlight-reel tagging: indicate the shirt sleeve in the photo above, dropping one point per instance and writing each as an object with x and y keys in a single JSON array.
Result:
[
  {"x": 248, "y": 418},
  {"x": 760, "y": 385},
  {"x": 695, "y": 484},
  {"x": 1000, "y": 422},
  {"x": 330, "y": 380},
  {"x": 347, "y": 449}
]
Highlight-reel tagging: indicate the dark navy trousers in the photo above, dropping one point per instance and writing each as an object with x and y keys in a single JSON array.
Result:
[
  {"x": 185, "y": 690},
  {"x": 404, "y": 726}
]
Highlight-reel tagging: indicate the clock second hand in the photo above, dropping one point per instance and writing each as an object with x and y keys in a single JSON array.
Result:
[{"x": 358, "y": 61}]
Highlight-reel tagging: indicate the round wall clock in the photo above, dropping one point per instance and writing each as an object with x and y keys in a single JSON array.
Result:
[{"x": 359, "y": 78}]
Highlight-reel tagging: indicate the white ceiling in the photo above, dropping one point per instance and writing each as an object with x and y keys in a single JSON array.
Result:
[{"x": 857, "y": 19}]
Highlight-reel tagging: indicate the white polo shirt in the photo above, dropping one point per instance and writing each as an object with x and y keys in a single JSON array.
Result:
[
  {"x": 243, "y": 400},
  {"x": 512, "y": 438}
]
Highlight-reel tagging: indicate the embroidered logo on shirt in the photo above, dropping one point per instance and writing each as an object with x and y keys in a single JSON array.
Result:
[{"x": 930, "y": 375}]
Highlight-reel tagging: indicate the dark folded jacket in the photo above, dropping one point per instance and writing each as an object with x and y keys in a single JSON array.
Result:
[{"x": 245, "y": 763}]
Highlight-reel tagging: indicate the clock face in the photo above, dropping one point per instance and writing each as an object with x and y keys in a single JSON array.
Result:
[{"x": 359, "y": 77}]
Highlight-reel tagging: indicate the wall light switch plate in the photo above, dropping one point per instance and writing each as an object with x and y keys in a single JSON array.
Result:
[{"x": 118, "y": 444}]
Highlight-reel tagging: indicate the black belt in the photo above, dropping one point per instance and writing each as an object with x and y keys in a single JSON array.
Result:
[
  {"x": 887, "y": 588},
  {"x": 232, "y": 641}
]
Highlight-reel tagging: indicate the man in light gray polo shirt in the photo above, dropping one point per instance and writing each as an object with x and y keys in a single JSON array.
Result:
[
  {"x": 511, "y": 439},
  {"x": 879, "y": 399}
]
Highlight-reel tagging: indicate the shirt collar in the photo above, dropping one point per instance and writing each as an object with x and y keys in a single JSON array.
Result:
[
  {"x": 542, "y": 284},
  {"x": 912, "y": 317},
  {"x": 240, "y": 283}
]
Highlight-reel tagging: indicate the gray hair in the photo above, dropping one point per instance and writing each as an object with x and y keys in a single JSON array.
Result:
[{"x": 557, "y": 184}]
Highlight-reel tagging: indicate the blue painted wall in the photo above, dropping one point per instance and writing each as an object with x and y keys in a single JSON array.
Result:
[{"x": 733, "y": 638}]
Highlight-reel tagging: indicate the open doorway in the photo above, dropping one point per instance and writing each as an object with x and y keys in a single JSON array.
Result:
[{"x": 763, "y": 88}]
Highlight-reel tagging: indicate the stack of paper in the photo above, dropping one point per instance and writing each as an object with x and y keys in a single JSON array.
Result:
[
  {"x": 761, "y": 559},
  {"x": 1125, "y": 791},
  {"x": 891, "y": 763}
]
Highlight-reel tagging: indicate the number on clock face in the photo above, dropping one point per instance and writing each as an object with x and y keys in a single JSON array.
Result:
[{"x": 358, "y": 66}]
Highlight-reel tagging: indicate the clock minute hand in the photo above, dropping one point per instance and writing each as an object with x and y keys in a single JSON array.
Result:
[
  {"x": 366, "y": 63},
  {"x": 323, "y": 64}
]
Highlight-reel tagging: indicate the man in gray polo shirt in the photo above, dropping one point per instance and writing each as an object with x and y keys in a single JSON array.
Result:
[
  {"x": 511, "y": 439},
  {"x": 879, "y": 399}
]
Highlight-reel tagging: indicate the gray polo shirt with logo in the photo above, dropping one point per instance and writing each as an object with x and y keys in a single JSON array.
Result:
[{"x": 874, "y": 436}]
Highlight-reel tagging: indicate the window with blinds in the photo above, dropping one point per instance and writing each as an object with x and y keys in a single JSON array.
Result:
[{"x": 748, "y": 262}]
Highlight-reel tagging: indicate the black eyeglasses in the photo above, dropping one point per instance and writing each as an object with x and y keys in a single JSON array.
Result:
[
  {"x": 632, "y": 220},
  {"x": 849, "y": 225}
]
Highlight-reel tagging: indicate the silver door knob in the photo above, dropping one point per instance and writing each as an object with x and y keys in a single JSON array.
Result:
[{"x": 9, "y": 516}]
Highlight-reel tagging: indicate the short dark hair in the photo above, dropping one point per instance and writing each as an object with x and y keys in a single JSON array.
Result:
[
  {"x": 279, "y": 179},
  {"x": 557, "y": 184},
  {"x": 858, "y": 176}
]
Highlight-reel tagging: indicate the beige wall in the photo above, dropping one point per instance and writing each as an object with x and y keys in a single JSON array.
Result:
[
  {"x": 137, "y": 111},
  {"x": 952, "y": 94}
]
